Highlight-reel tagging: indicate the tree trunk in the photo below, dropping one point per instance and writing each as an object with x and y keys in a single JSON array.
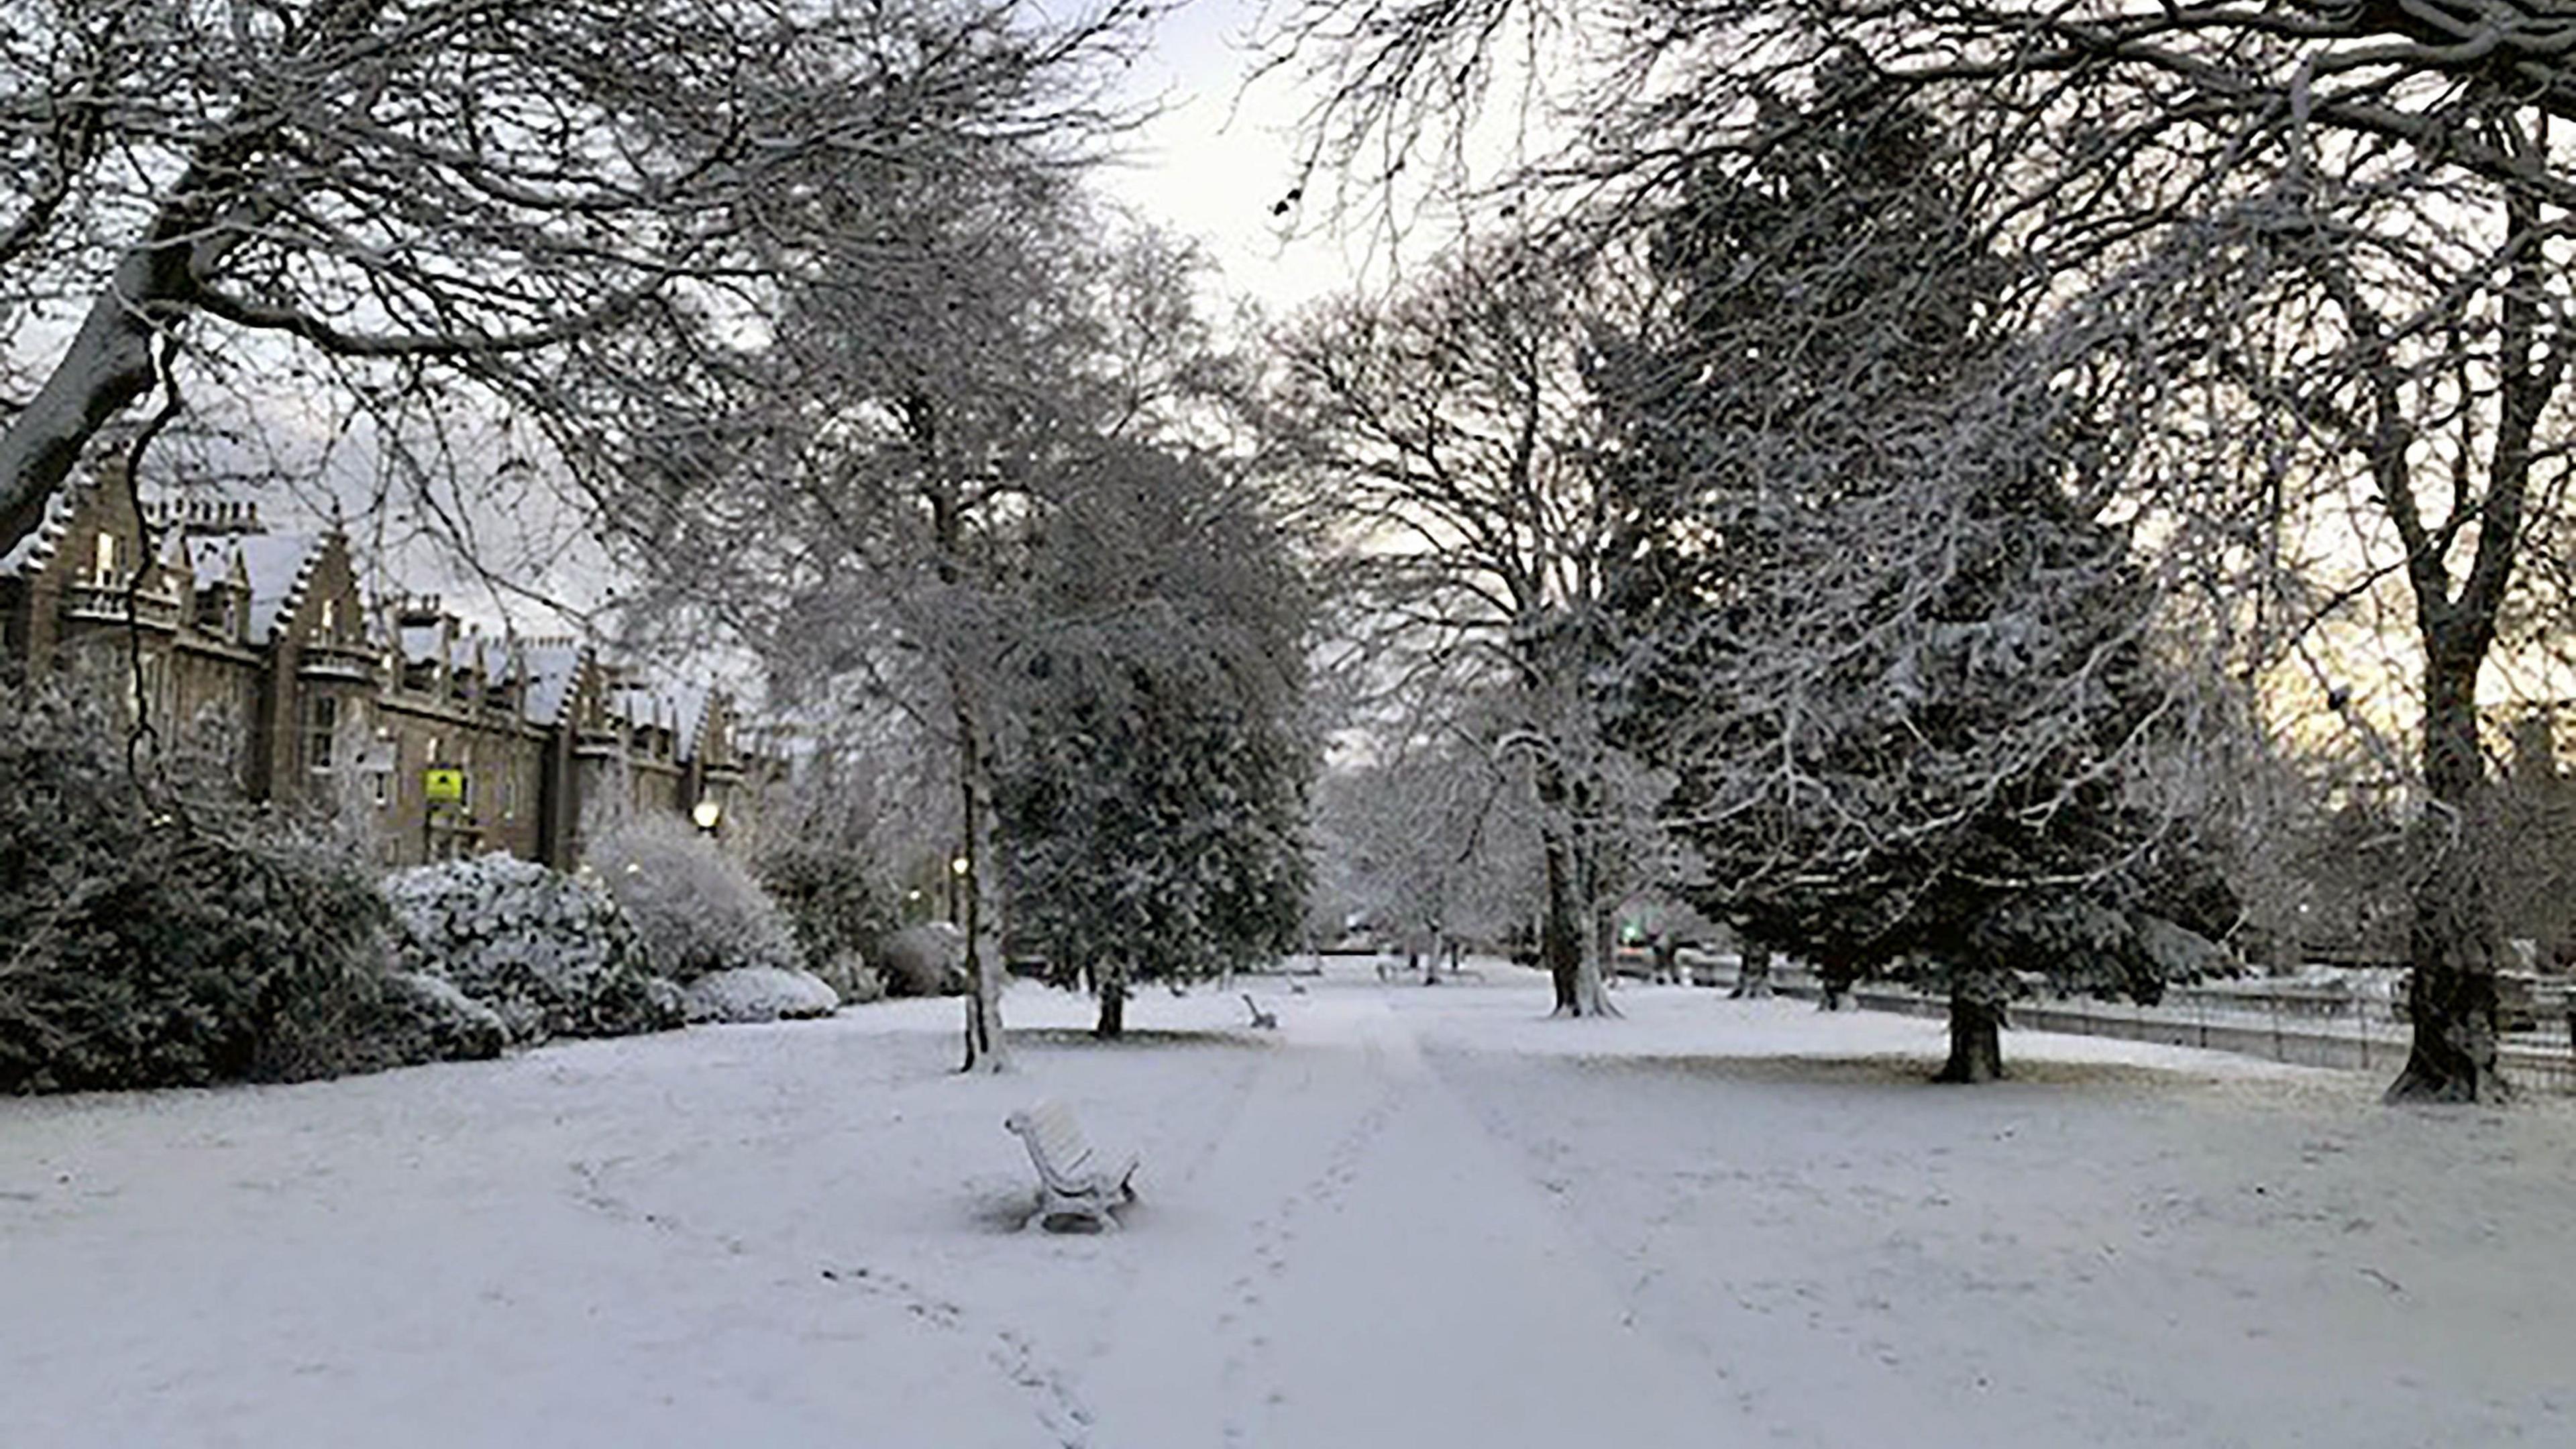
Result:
[
  {"x": 1573, "y": 965},
  {"x": 1560, "y": 942},
  {"x": 1113, "y": 1003},
  {"x": 1835, "y": 974},
  {"x": 1976, "y": 1028},
  {"x": 108, "y": 366},
  {"x": 2451, "y": 944},
  {"x": 1752, "y": 975},
  {"x": 1591, "y": 981},
  {"x": 988, "y": 1046}
]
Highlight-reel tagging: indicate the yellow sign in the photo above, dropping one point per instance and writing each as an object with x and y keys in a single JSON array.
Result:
[{"x": 443, "y": 786}]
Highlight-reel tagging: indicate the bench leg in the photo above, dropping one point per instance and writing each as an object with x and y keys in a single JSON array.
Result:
[{"x": 1054, "y": 1205}]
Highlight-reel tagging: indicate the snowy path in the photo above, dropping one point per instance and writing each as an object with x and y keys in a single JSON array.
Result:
[{"x": 1392, "y": 1281}]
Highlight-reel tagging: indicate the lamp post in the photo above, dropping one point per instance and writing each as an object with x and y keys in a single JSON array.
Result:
[
  {"x": 958, "y": 865},
  {"x": 707, "y": 814}
]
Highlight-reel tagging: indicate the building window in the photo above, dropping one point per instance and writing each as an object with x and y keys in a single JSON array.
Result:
[
  {"x": 330, "y": 618},
  {"x": 106, "y": 575},
  {"x": 321, "y": 725},
  {"x": 215, "y": 611},
  {"x": 382, "y": 783}
]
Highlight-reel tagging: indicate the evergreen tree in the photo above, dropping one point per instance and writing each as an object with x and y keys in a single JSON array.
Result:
[
  {"x": 1156, "y": 791},
  {"x": 1904, "y": 676}
]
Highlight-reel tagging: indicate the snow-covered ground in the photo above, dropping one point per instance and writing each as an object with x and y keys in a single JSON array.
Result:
[{"x": 1415, "y": 1217}]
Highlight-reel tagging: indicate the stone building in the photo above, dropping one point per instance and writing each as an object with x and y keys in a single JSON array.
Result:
[{"x": 259, "y": 646}]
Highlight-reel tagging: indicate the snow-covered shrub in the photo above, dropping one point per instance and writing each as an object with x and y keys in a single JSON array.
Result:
[
  {"x": 550, "y": 954},
  {"x": 923, "y": 960},
  {"x": 758, "y": 993},
  {"x": 696, "y": 908},
  {"x": 160, "y": 932},
  {"x": 858, "y": 982},
  {"x": 834, "y": 898},
  {"x": 423, "y": 1018},
  {"x": 850, "y": 977}
]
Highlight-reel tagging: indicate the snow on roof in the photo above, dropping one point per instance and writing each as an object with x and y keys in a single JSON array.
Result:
[
  {"x": 662, "y": 707},
  {"x": 36, "y": 549},
  {"x": 552, "y": 665},
  {"x": 688, "y": 717},
  {"x": 279, "y": 566}
]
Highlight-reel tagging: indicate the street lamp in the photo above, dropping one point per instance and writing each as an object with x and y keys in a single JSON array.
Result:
[{"x": 706, "y": 813}]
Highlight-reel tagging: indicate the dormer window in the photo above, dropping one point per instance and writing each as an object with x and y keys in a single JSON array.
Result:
[
  {"x": 215, "y": 611},
  {"x": 330, "y": 624},
  {"x": 105, "y": 576}
]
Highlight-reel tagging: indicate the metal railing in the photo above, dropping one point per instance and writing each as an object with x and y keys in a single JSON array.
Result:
[{"x": 2301, "y": 1026}]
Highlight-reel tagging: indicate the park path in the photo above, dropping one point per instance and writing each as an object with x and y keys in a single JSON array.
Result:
[{"x": 1393, "y": 1280}]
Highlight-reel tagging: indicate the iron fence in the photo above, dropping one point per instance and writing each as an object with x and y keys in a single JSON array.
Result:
[{"x": 2305, "y": 1026}]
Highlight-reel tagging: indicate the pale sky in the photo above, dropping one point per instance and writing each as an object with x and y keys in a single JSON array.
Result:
[
  {"x": 1222, "y": 155},
  {"x": 1226, "y": 151}
]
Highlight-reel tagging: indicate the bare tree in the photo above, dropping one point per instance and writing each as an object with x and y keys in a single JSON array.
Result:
[
  {"x": 1451, "y": 429},
  {"x": 565, "y": 208},
  {"x": 2399, "y": 330},
  {"x": 1433, "y": 836}
]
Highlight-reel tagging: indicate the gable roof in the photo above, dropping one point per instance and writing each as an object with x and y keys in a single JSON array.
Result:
[
  {"x": 553, "y": 665},
  {"x": 30, "y": 554},
  {"x": 280, "y": 568},
  {"x": 689, "y": 707}
]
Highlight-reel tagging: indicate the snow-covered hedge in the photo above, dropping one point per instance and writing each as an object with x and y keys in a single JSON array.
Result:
[
  {"x": 550, "y": 954},
  {"x": 156, "y": 931},
  {"x": 850, "y": 977},
  {"x": 923, "y": 960},
  {"x": 834, "y": 897},
  {"x": 758, "y": 993},
  {"x": 697, "y": 909},
  {"x": 424, "y": 1018}
]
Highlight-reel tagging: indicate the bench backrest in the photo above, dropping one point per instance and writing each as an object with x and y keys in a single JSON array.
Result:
[{"x": 1053, "y": 1137}]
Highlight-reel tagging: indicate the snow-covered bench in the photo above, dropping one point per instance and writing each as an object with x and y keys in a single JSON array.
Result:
[{"x": 1073, "y": 1180}]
